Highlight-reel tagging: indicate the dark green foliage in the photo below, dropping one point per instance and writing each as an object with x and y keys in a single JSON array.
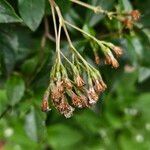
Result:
[{"x": 120, "y": 120}]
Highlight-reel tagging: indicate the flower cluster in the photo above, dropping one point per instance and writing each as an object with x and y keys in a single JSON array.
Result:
[
  {"x": 67, "y": 93},
  {"x": 132, "y": 17},
  {"x": 74, "y": 83},
  {"x": 79, "y": 89}
]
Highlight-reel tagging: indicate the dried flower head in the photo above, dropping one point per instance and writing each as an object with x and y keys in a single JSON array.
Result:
[
  {"x": 92, "y": 96},
  {"x": 135, "y": 14},
  {"x": 64, "y": 108},
  {"x": 79, "y": 81},
  {"x": 128, "y": 23},
  {"x": 76, "y": 100},
  {"x": 118, "y": 51},
  {"x": 110, "y": 60},
  {"x": 97, "y": 86}
]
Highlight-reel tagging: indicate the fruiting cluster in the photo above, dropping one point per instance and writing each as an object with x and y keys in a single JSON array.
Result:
[{"x": 73, "y": 81}]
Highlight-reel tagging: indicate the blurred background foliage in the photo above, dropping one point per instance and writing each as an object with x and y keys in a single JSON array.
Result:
[{"x": 120, "y": 120}]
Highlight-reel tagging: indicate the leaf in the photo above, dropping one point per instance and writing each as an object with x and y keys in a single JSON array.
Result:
[
  {"x": 144, "y": 73},
  {"x": 15, "y": 87},
  {"x": 3, "y": 100},
  {"x": 34, "y": 125},
  {"x": 125, "y": 5},
  {"x": 7, "y": 13},
  {"x": 32, "y": 12},
  {"x": 61, "y": 136},
  {"x": 142, "y": 104}
]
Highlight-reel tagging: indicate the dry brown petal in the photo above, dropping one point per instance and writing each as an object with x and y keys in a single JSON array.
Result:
[
  {"x": 79, "y": 81},
  {"x": 92, "y": 96},
  {"x": 135, "y": 14}
]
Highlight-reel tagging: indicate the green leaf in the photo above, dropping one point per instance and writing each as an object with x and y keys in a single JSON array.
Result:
[
  {"x": 7, "y": 13},
  {"x": 34, "y": 125},
  {"x": 61, "y": 136},
  {"x": 126, "y": 5},
  {"x": 144, "y": 73},
  {"x": 3, "y": 100},
  {"x": 32, "y": 12},
  {"x": 15, "y": 87}
]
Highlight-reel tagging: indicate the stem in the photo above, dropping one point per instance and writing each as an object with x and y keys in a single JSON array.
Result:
[
  {"x": 54, "y": 17},
  {"x": 87, "y": 65},
  {"x": 96, "y": 9},
  {"x": 82, "y": 31}
]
